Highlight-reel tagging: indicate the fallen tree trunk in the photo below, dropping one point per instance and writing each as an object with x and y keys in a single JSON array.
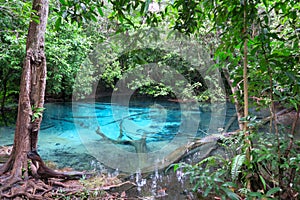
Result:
[
  {"x": 281, "y": 112},
  {"x": 204, "y": 145}
]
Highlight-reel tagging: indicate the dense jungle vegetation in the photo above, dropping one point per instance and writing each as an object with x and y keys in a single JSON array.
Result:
[{"x": 254, "y": 44}]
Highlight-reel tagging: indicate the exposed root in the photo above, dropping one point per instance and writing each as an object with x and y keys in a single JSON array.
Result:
[
  {"x": 35, "y": 186},
  {"x": 8, "y": 182},
  {"x": 45, "y": 183},
  {"x": 40, "y": 170},
  {"x": 31, "y": 189},
  {"x": 37, "y": 189},
  {"x": 7, "y": 166},
  {"x": 58, "y": 188},
  {"x": 58, "y": 183},
  {"x": 23, "y": 194}
]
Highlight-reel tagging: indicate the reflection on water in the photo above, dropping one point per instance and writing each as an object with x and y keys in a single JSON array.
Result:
[{"x": 68, "y": 129}]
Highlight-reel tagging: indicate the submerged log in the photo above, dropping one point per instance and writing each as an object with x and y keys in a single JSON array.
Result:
[
  {"x": 279, "y": 113},
  {"x": 139, "y": 145},
  {"x": 206, "y": 145}
]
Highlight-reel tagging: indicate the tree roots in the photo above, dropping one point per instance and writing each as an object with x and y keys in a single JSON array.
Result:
[
  {"x": 45, "y": 183},
  {"x": 37, "y": 189},
  {"x": 41, "y": 184}
]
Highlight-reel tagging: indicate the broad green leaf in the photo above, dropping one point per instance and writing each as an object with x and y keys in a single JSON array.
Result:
[
  {"x": 58, "y": 23},
  {"x": 207, "y": 191},
  {"x": 195, "y": 188},
  {"x": 63, "y": 2},
  {"x": 266, "y": 3},
  {"x": 255, "y": 194},
  {"x": 263, "y": 182},
  {"x": 273, "y": 191},
  {"x": 100, "y": 11},
  {"x": 93, "y": 17},
  {"x": 230, "y": 194},
  {"x": 236, "y": 165},
  {"x": 176, "y": 166}
]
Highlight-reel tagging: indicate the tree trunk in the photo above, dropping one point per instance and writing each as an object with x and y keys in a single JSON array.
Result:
[
  {"x": 32, "y": 91},
  {"x": 234, "y": 90}
]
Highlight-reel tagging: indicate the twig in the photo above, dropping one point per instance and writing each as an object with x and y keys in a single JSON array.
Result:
[
  {"x": 231, "y": 121},
  {"x": 114, "y": 186},
  {"x": 288, "y": 150}
]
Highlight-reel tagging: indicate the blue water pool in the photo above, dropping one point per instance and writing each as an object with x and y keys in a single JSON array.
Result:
[{"x": 68, "y": 134}]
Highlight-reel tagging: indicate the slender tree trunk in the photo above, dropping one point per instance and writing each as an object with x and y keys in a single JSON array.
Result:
[
  {"x": 234, "y": 90},
  {"x": 246, "y": 97},
  {"x": 245, "y": 63},
  {"x": 32, "y": 91}
]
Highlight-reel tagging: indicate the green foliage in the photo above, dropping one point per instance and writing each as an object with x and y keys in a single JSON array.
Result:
[
  {"x": 112, "y": 73},
  {"x": 12, "y": 48},
  {"x": 270, "y": 27},
  {"x": 191, "y": 86},
  {"x": 236, "y": 165},
  {"x": 36, "y": 113},
  {"x": 265, "y": 154},
  {"x": 208, "y": 176},
  {"x": 223, "y": 177},
  {"x": 66, "y": 51},
  {"x": 272, "y": 52},
  {"x": 84, "y": 80},
  {"x": 78, "y": 12},
  {"x": 149, "y": 71}
]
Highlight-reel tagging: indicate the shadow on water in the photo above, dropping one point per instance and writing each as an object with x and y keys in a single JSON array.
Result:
[{"x": 68, "y": 132}]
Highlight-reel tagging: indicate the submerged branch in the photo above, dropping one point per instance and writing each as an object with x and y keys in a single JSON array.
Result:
[{"x": 139, "y": 145}]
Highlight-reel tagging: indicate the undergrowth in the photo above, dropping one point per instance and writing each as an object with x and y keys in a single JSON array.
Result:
[{"x": 225, "y": 176}]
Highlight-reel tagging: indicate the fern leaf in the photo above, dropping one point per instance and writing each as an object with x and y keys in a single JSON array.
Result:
[{"x": 236, "y": 165}]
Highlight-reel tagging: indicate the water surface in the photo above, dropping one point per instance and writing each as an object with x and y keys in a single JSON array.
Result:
[{"x": 68, "y": 132}]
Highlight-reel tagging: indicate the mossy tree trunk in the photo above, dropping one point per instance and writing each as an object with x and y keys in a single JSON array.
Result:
[{"x": 32, "y": 92}]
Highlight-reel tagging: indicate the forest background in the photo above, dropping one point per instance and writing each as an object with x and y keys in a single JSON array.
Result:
[{"x": 255, "y": 45}]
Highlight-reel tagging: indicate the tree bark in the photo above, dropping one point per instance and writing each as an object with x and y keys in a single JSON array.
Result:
[
  {"x": 32, "y": 91},
  {"x": 238, "y": 106}
]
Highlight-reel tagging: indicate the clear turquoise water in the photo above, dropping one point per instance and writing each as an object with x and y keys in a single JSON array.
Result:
[{"x": 68, "y": 132}]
